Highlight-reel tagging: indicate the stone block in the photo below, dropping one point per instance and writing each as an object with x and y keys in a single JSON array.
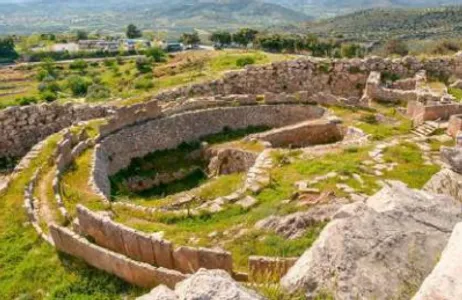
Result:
[
  {"x": 215, "y": 259},
  {"x": 163, "y": 251},
  {"x": 186, "y": 259}
]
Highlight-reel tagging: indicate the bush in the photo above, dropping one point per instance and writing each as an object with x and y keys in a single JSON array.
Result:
[
  {"x": 42, "y": 74},
  {"x": 157, "y": 54},
  {"x": 78, "y": 64},
  {"x": 446, "y": 47},
  {"x": 49, "y": 96},
  {"x": 143, "y": 64},
  {"x": 396, "y": 47},
  {"x": 109, "y": 62},
  {"x": 143, "y": 83},
  {"x": 98, "y": 92},
  {"x": 78, "y": 85},
  {"x": 26, "y": 100},
  {"x": 244, "y": 61}
]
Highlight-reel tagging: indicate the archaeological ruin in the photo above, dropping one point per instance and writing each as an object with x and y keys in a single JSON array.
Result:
[{"x": 308, "y": 152}]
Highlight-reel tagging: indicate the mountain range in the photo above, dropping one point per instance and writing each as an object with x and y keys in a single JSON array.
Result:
[{"x": 28, "y": 16}]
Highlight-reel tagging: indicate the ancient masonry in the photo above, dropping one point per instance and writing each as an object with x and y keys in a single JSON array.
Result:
[{"x": 283, "y": 96}]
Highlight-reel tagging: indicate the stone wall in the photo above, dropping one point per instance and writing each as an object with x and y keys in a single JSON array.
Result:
[
  {"x": 169, "y": 132},
  {"x": 149, "y": 248},
  {"x": 137, "y": 273},
  {"x": 302, "y": 134},
  {"x": 345, "y": 77},
  {"x": 420, "y": 112},
  {"x": 23, "y": 127}
]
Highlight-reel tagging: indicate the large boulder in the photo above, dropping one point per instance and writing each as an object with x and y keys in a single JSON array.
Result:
[
  {"x": 445, "y": 282},
  {"x": 452, "y": 157},
  {"x": 204, "y": 285},
  {"x": 446, "y": 182},
  {"x": 383, "y": 249}
]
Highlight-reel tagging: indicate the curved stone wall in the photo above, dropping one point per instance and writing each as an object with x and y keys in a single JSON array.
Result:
[
  {"x": 117, "y": 150},
  {"x": 23, "y": 127}
]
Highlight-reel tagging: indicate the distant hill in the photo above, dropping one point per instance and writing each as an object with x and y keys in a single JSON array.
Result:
[
  {"x": 384, "y": 23},
  {"x": 114, "y": 15},
  {"x": 326, "y": 8}
]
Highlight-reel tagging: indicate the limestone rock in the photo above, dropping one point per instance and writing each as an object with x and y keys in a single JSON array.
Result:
[
  {"x": 204, "y": 285},
  {"x": 445, "y": 281},
  {"x": 381, "y": 250},
  {"x": 446, "y": 182},
  {"x": 159, "y": 293},
  {"x": 294, "y": 226},
  {"x": 214, "y": 284},
  {"x": 453, "y": 157}
]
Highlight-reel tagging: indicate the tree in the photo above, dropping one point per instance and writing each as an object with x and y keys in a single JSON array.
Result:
[
  {"x": 133, "y": 32},
  {"x": 7, "y": 49},
  {"x": 190, "y": 38},
  {"x": 396, "y": 47},
  {"x": 81, "y": 35},
  {"x": 245, "y": 36},
  {"x": 221, "y": 38}
]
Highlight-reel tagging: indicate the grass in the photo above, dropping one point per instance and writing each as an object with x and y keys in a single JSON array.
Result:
[
  {"x": 75, "y": 188},
  {"x": 411, "y": 169},
  {"x": 30, "y": 268},
  {"x": 457, "y": 93},
  {"x": 120, "y": 78}
]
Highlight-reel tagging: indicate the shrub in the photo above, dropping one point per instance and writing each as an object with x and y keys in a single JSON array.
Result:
[
  {"x": 78, "y": 85},
  {"x": 78, "y": 64},
  {"x": 48, "y": 96},
  {"x": 143, "y": 64},
  {"x": 446, "y": 47},
  {"x": 396, "y": 47},
  {"x": 26, "y": 100},
  {"x": 244, "y": 61},
  {"x": 143, "y": 83},
  {"x": 109, "y": 62},
  {"x": 98, "y": 92},
  {"x": 157, "y": 54},
  {"x": 42, "y": 74}
]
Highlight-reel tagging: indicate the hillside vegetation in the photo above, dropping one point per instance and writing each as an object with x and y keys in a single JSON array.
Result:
[{"x": 383, "y": 23}]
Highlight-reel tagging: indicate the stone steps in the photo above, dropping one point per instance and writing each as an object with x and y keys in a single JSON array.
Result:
[{"x": 425, "y": 129}]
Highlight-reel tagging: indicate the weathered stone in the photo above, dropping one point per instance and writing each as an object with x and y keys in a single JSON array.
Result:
[
  {"x": 391, "y": 242},
  {"x": 159, "y": 293},
  {"x": 453, "y": 157},
  {"x": 213, "y": 284},
  {"x": 186, "y": 259},
  {"x": 444, "y": 282}
]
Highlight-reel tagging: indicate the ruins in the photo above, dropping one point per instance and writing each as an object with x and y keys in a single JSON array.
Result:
[{"x": 384, "y": 237}]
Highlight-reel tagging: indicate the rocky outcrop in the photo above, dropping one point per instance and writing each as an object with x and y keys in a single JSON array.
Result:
[
  {"x": 383, "y": 249},
  {"x": 204, "y": 285},
  {"x": 445, "y": 280},
  {"x": 446, "y": 182},
  {"x": 295, "y": 225},
  {"x": 453, "y": 157}
]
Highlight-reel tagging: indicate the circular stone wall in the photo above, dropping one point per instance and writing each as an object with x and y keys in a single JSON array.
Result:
[{"x": 116, "y": 151}]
